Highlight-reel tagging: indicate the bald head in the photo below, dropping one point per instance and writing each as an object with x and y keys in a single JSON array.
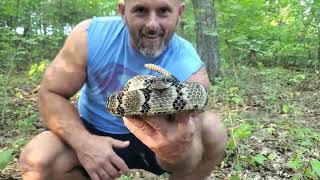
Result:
[
  {"x": 121, "y": 1},
  {"x": 151, "y": 23}
]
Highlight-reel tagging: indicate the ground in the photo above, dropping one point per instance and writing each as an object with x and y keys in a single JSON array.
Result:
[{"x": 272, "y": 116}]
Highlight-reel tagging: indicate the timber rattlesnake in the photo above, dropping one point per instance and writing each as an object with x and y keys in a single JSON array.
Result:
[{"x": 151, "y": 95}]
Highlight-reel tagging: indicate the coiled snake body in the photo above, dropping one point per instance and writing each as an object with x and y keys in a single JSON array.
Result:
[{"x": 151, "y": 95}]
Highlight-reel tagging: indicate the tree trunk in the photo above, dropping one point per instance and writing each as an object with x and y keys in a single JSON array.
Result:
[
  {"x": 17, "y": 10},
  {"x": 61, "y": 30},
  {"x": 319, "y": 45},
  {"x": 207, "y": 38}
]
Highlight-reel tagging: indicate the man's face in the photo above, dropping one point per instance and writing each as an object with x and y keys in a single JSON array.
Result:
[{"x": 151, "y": 23}]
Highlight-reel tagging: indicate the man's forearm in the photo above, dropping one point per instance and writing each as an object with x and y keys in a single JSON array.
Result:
[{"x": 62, "y": 118}]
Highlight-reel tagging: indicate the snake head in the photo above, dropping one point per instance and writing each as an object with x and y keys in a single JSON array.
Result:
[
  {"x": 159, "y": 83},
  {"x": 114, "y": 102}
]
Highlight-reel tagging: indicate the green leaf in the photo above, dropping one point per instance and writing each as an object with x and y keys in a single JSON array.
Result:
[
  {"x": 244, "y": 131},
  {"x": 238, "y": 167},
  {"x": 260, "y": 159},
  {"x": 315, "y": 164},
  {"x": 297, "y": 176},
  {"x": 310, "y": 173},
  {"x": 285, "y": 108},
  {"x": 294, "y": 164},
  {"x": 5, "y": 157},
  {"x": 235, "y": 177},
  {"x": 237, "y": 99},
  {"x": 306, "y": 142},
  {"x": 32, "y": 69},
  {"x": 270, "y": 130},
  {"x": 43, "y": 65},
  {"x": 272, "y": 156},
  {"x": 231, "y": 144},
  {"x": 255, "y": 28}
]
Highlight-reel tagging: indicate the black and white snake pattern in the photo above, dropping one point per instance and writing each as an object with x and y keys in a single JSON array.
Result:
[{"x": 153, "y": 95}]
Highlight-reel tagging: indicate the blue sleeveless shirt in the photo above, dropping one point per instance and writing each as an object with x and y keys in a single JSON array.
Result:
[{"x": 112, "y": 61}]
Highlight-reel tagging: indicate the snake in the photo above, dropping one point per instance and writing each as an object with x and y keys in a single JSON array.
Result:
[{"x": 156, "y": 95}]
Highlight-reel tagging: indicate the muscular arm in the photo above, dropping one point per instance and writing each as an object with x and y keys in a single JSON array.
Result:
[
  {"x": 201, "y": 77},
  {"x": 63, "y": 78},
  {"x": 193, "y": 155}
]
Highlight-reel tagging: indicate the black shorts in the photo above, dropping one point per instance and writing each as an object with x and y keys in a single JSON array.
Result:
[{"x": 136, "y": 155}]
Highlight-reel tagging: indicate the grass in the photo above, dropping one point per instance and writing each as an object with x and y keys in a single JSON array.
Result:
[{"x": 272, "y": 116}]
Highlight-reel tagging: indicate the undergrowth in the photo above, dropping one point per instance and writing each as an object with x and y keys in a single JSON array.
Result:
[{"x": 272, "y": 117}]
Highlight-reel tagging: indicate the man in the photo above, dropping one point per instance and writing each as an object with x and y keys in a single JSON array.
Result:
[{"x": 98, "y": 57}]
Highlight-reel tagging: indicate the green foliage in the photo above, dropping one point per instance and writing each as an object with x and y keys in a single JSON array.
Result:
[
  {"x": 238, "y": 134},
  {"x": 297, "y": 79},
  {"x": 243, "y": 132},
  {"x": 235, "y": 177},
  {"x": 17, "y": 46},
  {"x": 272, "y": 156},
  {"x": 265, "y": 129},
  {"x": 296, "y": 163},
  {"x": 36, "y": 70},
  {"x": 252, "y": 32},
  {"x": 24, "y": 125},
  {"x": 273, "y": 32},
  {"x": 40, "y": 27},
  {"x": 260, "y": 159},
  {"x": 6, "y": 155},
  {"x": 315, "y": 164}
]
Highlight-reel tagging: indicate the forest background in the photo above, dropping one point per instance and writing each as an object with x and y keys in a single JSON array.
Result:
[{"x": 264, "y": 78}]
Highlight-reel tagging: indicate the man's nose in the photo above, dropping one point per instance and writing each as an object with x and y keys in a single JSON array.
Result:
[{"x": 153, "y": 21}]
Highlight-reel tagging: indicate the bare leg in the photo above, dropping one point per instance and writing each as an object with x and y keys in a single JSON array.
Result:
[
  {"x": 46, "y": 157},
  {"x": 213, "y": 138}
]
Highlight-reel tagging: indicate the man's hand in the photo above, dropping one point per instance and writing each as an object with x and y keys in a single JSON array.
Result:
[
  {"x": 99, "y": 159},
  {"x": 169, "y": 139}
]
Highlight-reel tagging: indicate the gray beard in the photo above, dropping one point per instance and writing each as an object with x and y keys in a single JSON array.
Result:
[{"x": 151, "y": 52}]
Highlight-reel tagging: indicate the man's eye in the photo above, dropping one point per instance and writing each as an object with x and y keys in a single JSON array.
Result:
[
  {"x": 164, "y": 11},
  {"x": 140, "y": 10}
]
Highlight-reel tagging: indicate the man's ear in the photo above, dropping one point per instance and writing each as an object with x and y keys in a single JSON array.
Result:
[
  {"x": 122, "y": 9},
  {"x": 181, "y": 9}
]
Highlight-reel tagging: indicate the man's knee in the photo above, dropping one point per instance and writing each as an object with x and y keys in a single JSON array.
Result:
[
  {"x": 34, "y": 164},
  {"x": 214, "y": 133},
  {"x": 47, "y": 157},
  {"x": 213, "y": 125},
  {"x": 38, "y": 156}
]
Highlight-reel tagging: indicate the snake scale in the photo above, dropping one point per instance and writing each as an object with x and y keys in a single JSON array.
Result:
[{"x": 154, "y": 95}]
